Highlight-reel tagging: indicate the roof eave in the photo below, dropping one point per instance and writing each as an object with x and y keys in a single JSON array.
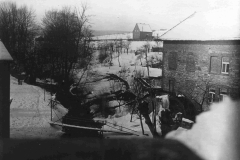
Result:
[
  {"x": 227, "y": 39},
  {"x": 4, "y": 54}
]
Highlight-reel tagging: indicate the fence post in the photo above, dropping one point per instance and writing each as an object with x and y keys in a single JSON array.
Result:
[{"x": 5, "y": 60}]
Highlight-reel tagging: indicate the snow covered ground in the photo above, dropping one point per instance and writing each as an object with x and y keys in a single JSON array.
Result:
[
  {"x": 214, "y": 136},
  {"x": 30, "y": 112},
  {"x": 133, "y": 62}
]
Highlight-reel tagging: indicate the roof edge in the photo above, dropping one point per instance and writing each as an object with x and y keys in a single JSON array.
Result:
[{"x": 4, "y": 54}]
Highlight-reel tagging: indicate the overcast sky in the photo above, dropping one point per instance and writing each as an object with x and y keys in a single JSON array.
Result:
[{"x": 124, "y": 14}]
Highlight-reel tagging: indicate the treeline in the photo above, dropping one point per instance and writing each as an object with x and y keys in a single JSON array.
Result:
[{"x": 52, "y": 48}]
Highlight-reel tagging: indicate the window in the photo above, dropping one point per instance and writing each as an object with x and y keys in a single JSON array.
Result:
[
  {"x": 171, "y": 85},
  {"x": 211, "y": 95},
  {"x": 172, "y": 61},
  {"x": 215, "y": 65},
  {"x": 225, "y": 65},
  {"x": 190, "y": 66},
  {"x": 223, "y": 94}
]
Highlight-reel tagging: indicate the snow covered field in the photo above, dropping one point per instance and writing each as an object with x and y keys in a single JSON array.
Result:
[{"x": 131, "y": 62}]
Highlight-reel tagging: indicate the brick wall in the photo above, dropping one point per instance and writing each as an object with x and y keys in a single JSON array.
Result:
[
  {"x": 146, "y": 35},
  {"x": 193, "y": 72},
  {"x": 136, "y": 35}
]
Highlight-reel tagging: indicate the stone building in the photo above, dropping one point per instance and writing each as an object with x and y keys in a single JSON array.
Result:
[
  {"x": 202, "y": 55},
  {"x": 142, "y": 31}
]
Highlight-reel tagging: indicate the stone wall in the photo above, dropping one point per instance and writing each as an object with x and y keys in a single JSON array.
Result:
[{"x": 187, "y": 66}]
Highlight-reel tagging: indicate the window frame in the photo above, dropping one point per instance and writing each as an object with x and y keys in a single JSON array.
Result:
[
  {"x": 223, "y": 94},
  {"x": 211, "y": 98},
  {"x": 227, "y": 64}
]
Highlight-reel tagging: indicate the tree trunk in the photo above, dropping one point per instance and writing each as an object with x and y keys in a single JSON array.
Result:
[
  {"x": 118, "y": 60},
  {"x": 143, "y": 108},
  {"x": 141, "y": 61},
  {"x": 150, "y": 126}
]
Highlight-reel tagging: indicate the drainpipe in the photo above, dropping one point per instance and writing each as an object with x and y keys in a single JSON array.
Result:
[{"x": 5, "y": 60}]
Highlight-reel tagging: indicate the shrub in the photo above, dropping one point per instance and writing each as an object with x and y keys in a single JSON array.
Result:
[{"x": 102, "y": 56}]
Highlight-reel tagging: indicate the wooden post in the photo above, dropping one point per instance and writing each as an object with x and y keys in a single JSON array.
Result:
[
  {"x": 132, "y": 113},
  {"x": 5, "y": 60},
  {"x": 51, "y": 107},
  {"x": 44, "y": 94},
  {"x": 141, "y": 123}
]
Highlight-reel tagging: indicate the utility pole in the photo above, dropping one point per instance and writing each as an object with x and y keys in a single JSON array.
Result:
[{"x": 151, "y": 92}]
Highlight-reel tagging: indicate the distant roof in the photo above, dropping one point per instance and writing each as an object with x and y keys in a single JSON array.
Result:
[
  {"x": 217, "y": 24},
  {"x": 114, "y": 36},
  {"x": 4, "y": 54},
  {"x": 144, "y": 27}
]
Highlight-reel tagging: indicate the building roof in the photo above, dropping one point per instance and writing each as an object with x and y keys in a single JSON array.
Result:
[
  {"x": 217, "y": 24},
  {"x": 4, "y": 54},
  {"x": 144, "y": 27}
]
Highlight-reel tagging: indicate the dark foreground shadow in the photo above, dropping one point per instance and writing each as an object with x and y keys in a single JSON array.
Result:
[{"x": 95, "y": 148}]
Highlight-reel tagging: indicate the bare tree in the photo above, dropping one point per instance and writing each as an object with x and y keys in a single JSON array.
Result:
[
  {"x": 127, "y": 43},
  {"x": 118, "y": 45},
  {"x": 18, "y": 30},
  {"x": 67, "y": 40},
  {"x": 146, "y": 48},
  {"x": 117, "y": 86}
]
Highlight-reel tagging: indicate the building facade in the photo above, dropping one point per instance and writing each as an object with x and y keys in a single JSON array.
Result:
[
  {"x": 205, "y": 71},
  {"x": 201, "y": 61}
]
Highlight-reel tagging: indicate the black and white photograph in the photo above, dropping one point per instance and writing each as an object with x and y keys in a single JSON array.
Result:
[{"x": 120, "y": 79}]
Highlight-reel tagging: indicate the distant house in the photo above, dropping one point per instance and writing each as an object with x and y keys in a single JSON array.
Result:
[
  {"x": 201, "y": 57},
  {"x": 142, "y": 31}
]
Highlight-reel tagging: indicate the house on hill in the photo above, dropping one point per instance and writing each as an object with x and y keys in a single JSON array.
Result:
[
  {"x": 142, "y": 31},
  {"x": 201, "y": 58}
]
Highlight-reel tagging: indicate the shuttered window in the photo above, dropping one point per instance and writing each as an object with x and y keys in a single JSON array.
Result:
[
  {"x": 211, "y": 95},
  {"x": 225, "y": 65},
  {"x": 215, "y": 65},
  {"x": 190, "y": 66},
  {"x": 172, "y": 61},
  {"x": 171, "y": 85}
]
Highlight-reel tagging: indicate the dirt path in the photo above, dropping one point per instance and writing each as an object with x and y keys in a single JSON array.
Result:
[{"x": 29, "y": 113}]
